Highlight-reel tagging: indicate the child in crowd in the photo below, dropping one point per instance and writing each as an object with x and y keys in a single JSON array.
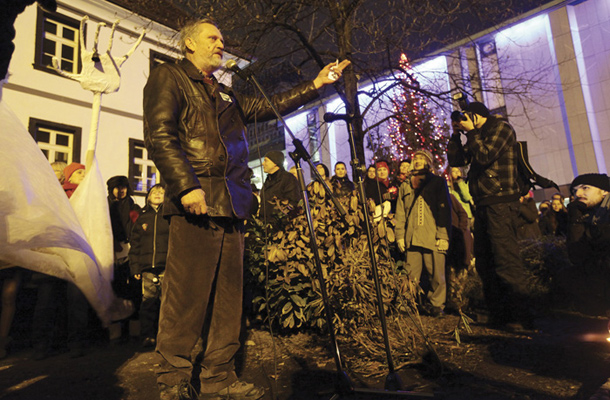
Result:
[
  {"x": 73, "y": 176},
  {"x": 147, "y": 256}
]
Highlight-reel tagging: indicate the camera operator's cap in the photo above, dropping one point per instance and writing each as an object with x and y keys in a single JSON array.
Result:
[
  {"x": 478, "y": 108},
  {"x": 277, "y": 157},
  {"x": 600, "y": 181}
]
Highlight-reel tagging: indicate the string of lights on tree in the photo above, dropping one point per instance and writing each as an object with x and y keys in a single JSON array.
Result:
[{"x": 415, "y": 126}]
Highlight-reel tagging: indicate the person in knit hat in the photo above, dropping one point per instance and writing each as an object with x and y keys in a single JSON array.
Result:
[
  {"x": 280, "y": 184},
  {"x": 277, "y": 157},
  {"x": 588, "y": 245},
  {"x": 73, "y": 176},
  {"x": 428, "y": 158},
  {"x": 123, "y": 214},
  {"x": 589, "y": 220},
  {"x": 423, "y": 224}
]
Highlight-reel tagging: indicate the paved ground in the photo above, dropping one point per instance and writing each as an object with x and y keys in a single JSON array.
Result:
[{"x": 125, "y": 371}]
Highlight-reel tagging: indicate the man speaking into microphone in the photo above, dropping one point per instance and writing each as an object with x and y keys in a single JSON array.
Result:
[{"x": 195, "y": 131}]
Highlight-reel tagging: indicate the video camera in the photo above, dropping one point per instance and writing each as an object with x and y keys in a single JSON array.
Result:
[{"x": 462, "y": 100}]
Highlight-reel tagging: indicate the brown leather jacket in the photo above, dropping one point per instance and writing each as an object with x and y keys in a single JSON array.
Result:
[{"x": 196, "y": 133}]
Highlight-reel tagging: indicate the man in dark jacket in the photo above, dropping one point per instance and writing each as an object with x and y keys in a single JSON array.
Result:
[
  {"x": 588, "y": 242},
  {"x": 280, "y": 184},
  {"x": 489, "y": 149},
  {"x": 195, "y": 131},
  {"x": 589, "y": 221},
  {"x": 147, "y": 257}
]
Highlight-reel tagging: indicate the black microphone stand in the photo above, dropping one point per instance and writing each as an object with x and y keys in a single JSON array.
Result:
[
  {"x": 393, "y": 383},
  {"x": 344, "y": 385}
]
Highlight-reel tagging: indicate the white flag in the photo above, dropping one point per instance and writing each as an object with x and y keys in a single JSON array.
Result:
[{"x": 39, "y": 228}]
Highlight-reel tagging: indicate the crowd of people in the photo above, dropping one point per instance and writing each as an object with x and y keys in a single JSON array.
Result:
[{"x": 446, "y": 219}]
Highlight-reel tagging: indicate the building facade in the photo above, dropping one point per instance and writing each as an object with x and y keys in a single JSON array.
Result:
[
  {"x": 547, "y": 71},
  {"x": 58, "y": 112}
]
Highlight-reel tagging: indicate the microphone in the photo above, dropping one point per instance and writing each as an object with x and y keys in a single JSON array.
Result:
[
  {"x": 331, "y": 117},
  {"x": 232, "y": 65}
]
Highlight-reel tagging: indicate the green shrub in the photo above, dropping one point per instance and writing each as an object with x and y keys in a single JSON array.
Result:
[{"x": 285, "y": 285}]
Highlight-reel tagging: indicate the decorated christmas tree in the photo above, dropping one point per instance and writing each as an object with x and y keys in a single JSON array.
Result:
[{"x": 415, "y": 124}]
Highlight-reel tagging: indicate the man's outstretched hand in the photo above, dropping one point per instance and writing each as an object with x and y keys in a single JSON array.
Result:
[{"x": 323, "y": 77}]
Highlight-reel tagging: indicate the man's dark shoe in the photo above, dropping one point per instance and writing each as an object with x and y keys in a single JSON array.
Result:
[
  {"x": 238, "y": 390},
  {"x": 181, "y": 391}
]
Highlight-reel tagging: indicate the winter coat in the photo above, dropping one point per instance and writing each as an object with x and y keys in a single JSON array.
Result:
[
  {"x": 490, "y": 151},
  {"x": 149, "y": 242},
  {"x": 527, "y": 222},
  {"x": 374, "y": 190},
  {"x": 281, "y": 184},
  {"x": 423, "y": 215},
  {"x": 554, "y": 223},
  {"x": 460, "y": 249},
  {"x": 342, "y": 187},
  {"x": 123, "y": 214},
  {"x": 196, "y": 134},
  {"x": 462, "y": 194}
]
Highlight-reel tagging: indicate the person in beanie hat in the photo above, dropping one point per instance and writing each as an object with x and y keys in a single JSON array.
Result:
[
  {"x": 599, "y": 181},
  {"x": 277, "y": 157},
  {"x": 423, "y": 224},
  {"x": 428, "y": 156},
  {"x": 589, "y": 220},
  {"x": 74, "y": 175},
  {"x": 123, "y": 214},
  {"x": 492, "y": 178},
  {"x": 280, "y": 184},
  {"x": 588, "y": 244}
]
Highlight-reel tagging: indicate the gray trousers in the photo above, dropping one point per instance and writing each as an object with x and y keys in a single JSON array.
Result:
[
  {"x": 201, "y": 297},
  {"x": 435, "y": 265}
]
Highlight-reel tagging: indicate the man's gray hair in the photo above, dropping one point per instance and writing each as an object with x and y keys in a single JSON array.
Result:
[{"x": 190, "y": 29}]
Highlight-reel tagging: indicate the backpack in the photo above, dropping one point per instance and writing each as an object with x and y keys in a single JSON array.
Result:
[{"x": 527, "y": 178}]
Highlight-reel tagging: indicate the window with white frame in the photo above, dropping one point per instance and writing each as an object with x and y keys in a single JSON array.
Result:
[
  {"x": 57, "y": 36},
  {"x": 143, "y": 173},
  {"x": 58, "y": 142}
]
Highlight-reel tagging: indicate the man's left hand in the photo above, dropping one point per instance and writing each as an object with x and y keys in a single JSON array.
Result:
[
  {"x": 323, "y": 79},
  {"x": 442, "y": 244}
]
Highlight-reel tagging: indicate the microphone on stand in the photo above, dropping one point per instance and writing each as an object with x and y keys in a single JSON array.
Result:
[
  {"x": 232, "y": 65},
  {"x": 332, "y": 117}
]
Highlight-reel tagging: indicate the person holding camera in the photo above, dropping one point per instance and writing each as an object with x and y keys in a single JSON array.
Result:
[{"x": 489, "y": 149}]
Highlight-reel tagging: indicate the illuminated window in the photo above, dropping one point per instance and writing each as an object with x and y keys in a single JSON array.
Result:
[
  {"x": 142, "y": 171},
  {"x": 57, "y": 142},
  {"x": 57, "y": 36}
]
